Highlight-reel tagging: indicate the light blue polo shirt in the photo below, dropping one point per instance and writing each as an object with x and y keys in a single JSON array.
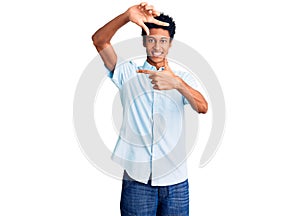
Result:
[{"x": 152, "y": 136}]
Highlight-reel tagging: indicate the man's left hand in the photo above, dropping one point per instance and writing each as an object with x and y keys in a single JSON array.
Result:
[{"x": 163, "y": 80}]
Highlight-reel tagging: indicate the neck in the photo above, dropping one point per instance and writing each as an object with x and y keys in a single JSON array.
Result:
[{"x": 155, "y": 64}]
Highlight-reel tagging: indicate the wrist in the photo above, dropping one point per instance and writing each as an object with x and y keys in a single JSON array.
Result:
[
  {"x": 126, "y": 15},
  {"x": 178, "y": 83}
]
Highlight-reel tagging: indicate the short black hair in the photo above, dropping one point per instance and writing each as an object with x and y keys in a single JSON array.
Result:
[{"x": 164, "y": 18}]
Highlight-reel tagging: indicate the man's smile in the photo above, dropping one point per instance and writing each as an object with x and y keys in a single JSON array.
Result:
[{"x": 156, "y": 54}]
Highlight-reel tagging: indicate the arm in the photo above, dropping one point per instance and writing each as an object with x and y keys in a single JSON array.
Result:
[
  {"x": 167, "y": 80},
  {"x": 194, "y": 97},
  {"x": 138, "y": 14}
]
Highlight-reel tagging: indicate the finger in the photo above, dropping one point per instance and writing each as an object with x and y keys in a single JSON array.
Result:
[
  {"x": 149, "y": 12},
  {"x": 152, "y": 76},
  {"x": 142, "y": 71},
  {"x": 166, "y": 64},
  {"x": 145, "y": 71},
  {"x": 143, "y": 4},
  {"x": 155, "y": 13},
  {"x": 145, "y": 28},
  {"x": 156, "y": 87},
  {"x": 149, "y": 7},
  {"x": 157, "y": 22}
]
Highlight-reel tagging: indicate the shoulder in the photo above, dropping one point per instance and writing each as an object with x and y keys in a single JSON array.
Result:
[
  {"x": 123, "y": 71},
  {"x": 125, "y": 68},
  {"x": 125, "y": 64}
]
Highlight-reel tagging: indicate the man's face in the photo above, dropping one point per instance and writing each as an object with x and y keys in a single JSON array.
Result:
[{"x": 157, "y": 44}]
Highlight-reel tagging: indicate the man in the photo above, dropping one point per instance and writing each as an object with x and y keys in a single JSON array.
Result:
[{"x": 150, "y": 147}]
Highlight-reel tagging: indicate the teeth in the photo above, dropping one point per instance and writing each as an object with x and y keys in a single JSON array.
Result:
[{"x": 156, "y": 53}]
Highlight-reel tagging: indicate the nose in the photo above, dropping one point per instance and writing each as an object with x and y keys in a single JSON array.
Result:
[{"x": 157, "y": 45}]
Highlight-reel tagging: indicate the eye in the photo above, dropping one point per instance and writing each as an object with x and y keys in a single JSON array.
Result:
[
  {"x": 150, "y": 40},
  {"x": 163, "y": 41}
]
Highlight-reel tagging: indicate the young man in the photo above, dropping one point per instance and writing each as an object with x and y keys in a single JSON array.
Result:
[{"x": 151, "y": 146}]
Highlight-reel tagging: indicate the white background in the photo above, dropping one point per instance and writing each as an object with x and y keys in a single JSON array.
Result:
[{"x": 253, "y": 47}]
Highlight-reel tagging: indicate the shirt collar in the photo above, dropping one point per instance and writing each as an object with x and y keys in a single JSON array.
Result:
[{"x": 148, "y": 66}]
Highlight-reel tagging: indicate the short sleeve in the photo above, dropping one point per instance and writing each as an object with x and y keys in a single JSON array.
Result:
[
  {"x": 192, "y": 82},
  {"x": 123, "y": 71}
]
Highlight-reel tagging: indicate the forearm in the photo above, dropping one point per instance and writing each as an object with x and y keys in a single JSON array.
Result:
[
  {"x": 102, "y": 36},
  {"x": 195, "y": 98}
]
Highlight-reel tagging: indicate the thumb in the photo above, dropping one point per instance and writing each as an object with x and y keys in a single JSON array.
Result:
[
  {"x": 161, "y": 23},
  {"x": 166, "y": 65},
  {"x": 145, "y": 28}
]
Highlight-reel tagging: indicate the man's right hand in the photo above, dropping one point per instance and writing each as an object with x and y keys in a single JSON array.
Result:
[{"x": 139, "y": 14}]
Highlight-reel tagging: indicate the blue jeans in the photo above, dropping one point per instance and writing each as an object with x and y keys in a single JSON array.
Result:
[{"x": 138, "y": 199}]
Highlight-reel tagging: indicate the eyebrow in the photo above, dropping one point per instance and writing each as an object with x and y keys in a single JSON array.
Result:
[{"x": 153, "y": 37}]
